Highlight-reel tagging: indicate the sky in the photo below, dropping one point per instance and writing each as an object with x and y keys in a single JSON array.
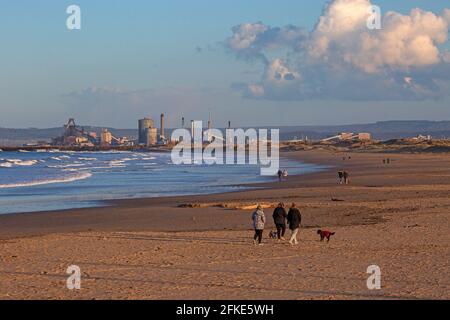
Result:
[{"x": 254, "y": 62}]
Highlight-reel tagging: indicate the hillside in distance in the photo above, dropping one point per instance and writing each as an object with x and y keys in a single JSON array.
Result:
[{"x": 384, "y": 130}]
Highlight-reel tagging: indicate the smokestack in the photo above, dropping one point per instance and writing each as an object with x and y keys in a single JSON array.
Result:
[
  {"x": 209, "y": 128},
  {"x": 162, "y": 125},
  {"x": 229, "y": 124},
  {"x": 182, "y": 123},
  {"x": 209, "y": 122}
]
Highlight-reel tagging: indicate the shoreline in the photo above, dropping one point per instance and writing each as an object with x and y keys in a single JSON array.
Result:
[
  {"x": 25, "y": 224},
  {"x": 129, "y": 214},
  {"x": 108, "y": 203}
]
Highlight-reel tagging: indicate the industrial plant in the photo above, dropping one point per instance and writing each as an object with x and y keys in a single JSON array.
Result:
[
  {"x": 148, "y": 136},
  {"x": 350, "y": 136},
  {"x": 76, "y": 136}
]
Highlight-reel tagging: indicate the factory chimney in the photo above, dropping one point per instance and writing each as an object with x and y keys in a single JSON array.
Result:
[
  {"x": 192, "y": 129},
  {"x": 209, "y": 122},
  {"x": 162, "y": 126},
  {"x": 209, "y": 128}
]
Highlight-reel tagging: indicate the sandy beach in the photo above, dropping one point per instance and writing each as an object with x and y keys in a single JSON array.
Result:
[{"x": 395, "y": 216}]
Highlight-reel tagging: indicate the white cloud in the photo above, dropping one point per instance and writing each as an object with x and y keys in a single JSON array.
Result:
[
  {"x": 340, "y": 19},
  {"x": 404, "y": 42},
  {"x": 245, "y": 35},
  {"x": 278, "y": 73},
  {"x": 278, "y": 81},
  {"x": 253, "y": 40},
  {"x": 400, "y": 61}
]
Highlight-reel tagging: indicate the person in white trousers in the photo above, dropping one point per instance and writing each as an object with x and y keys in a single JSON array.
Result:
[{"x": 295, "y": 219}]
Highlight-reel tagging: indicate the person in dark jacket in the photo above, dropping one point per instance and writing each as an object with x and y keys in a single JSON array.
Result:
[
  {"x": 295, "y": 219},
  {"x": 280, "y": 175},
  {"x": 341, "y": 177},
  {"x": 279, "y": 218}
]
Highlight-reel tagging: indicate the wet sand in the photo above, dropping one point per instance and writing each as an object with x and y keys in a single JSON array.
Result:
[{"x": 395, "y": 216}]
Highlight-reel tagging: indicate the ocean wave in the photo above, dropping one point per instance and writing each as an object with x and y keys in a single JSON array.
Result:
[
  {"x": 62, "y": 166},
  {"x": 25, "y": 163},
  {"x": 117, "y": 163},
  {"x": 81, "y": 176},
  {"x": 87, "y": 159},
  {"x": 60, "y": 158},
  {"x": 6, "y": 165},
  {"x": 17, "y": 162},
  {"x": 96, "y": 168},
  {"x": 145, "y": 164}
]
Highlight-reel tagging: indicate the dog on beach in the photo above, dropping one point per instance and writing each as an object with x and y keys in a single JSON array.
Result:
[
  {"x": 273, "y": 235},
  {"x": 325, "y": 235}
]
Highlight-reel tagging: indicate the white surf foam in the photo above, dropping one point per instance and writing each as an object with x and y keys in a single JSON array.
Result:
[
  {"x": 73, "y": 165},
  {"x": 117, "y": 163},
  {"x": 25, "y": 163},
  {"x": 6, "y": 165},
  {"x": 17, "y": 162},
  {"x": 81, "y": 176}
]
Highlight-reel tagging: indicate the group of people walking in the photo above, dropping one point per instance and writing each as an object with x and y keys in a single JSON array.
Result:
[
  {"x": 344, "y": 177},
  {"x": 282, "y": 219},
  {"x": 282, "y": 174}
]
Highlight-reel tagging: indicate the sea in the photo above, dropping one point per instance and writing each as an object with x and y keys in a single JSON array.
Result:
[{"x": 56, "y": 180}]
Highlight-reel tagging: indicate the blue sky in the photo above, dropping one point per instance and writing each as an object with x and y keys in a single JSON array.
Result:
[{"x": 140, "y": 58}]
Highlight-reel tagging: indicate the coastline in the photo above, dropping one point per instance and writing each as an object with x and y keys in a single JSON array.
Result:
[
  {"x": 395, "y": 216},
  {"x": 102, "y": 178},
  {"x": 24, "y": 224},
  {"x": 129, "y": 216}
]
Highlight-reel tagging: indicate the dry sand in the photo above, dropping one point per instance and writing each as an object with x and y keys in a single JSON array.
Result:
[{"x": 395, "y": 216}]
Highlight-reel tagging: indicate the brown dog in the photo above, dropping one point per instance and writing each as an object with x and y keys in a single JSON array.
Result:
[{"x": 325, "y": 235}]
